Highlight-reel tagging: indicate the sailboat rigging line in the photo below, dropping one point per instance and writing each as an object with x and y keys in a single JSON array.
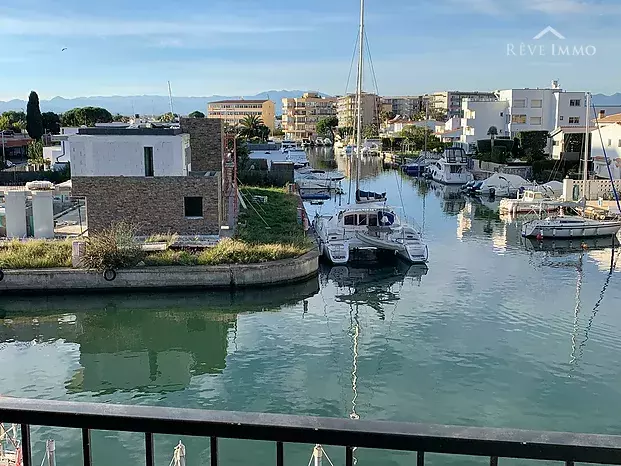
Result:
[
  {"x": 577, "y": 309},
  {"x": 327, "y": 457},
  {"x": 366, "y": 41},
  {"x": 351, "y": 66},
  {"x": 602, "y": 293},
  {"x": 601, "y": 138}
]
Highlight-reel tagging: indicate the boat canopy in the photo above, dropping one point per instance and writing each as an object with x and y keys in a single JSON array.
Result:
[{"x": 370, "y": 195}]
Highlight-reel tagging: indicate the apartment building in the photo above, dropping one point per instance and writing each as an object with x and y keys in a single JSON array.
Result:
[
  {"x": 346, "y": 110},
  {"x": 158, "y": 178},
  {"x": 232, "y": 112},
  {"x": 518, "y": 110},
  {"x": 405, "y": 106},
  {"x": 450, "y": 102},
  {"x": 300, "y": 115}
]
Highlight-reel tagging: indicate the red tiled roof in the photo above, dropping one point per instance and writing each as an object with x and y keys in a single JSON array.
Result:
[{"x": 616, "y": 118}]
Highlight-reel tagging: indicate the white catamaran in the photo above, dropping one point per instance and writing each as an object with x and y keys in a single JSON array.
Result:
[
  {"x": 369, "y": 224},
  {"x": 572, "y": 226}
]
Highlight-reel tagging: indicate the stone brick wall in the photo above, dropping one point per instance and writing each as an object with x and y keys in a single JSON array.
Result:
[
  {"x": 155, "y": 205},
  {"x": 205, "y": 143}
]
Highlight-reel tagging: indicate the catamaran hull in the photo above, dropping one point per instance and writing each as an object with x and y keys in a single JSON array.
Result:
[{"x": 537, "y": 230}]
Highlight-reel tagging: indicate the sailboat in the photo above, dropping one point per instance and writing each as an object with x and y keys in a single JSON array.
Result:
[
  {"x": 573, "y": 226},
  {"x": 369, "y": 224}
]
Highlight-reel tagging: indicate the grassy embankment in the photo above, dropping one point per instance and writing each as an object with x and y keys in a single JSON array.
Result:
[{"x": 267, "y": 232}]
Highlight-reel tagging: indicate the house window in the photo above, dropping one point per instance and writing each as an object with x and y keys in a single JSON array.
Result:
[
  {"x": 574, "y": 120},
  {"x": 519, "y": 103},
  {"x": 609, "y": 142},
  {"x": 536, "y": 103},
  {"x": 518, "y": 119},
  {"x": 574, "y": 103},
  {"x": 148, "y": 161},
  {"x": 193, "y": 207},
  {"x": 535, "y": 121},
  {"x": 619, "y": 145},
  {"x": 562, "y": 117}
]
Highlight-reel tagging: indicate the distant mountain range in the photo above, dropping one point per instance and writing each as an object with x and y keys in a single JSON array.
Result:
[
  {"x": 146, "y": 104},
  {"x": 159, "y": 104}
]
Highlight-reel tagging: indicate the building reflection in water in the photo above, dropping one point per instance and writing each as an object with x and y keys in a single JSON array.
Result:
[{"x": 143, "y": 342}]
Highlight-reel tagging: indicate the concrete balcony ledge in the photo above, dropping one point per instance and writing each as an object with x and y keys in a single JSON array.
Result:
[{"x": 67, "y": 280}]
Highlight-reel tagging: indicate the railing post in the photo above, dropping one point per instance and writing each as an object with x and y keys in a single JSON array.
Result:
[
  {"x": 26, "y": 452},
  {"x": 280, "y": 454},
  {"x": 420, "y": 458},
  {"x": 87, "y": 457},
  {"x": 349, "y": 456},
  {"x": 50, "y": 447},
  {"x": 148, "y": 443},
  {"x": 214, "y": 451},
  {"x": 493, "y": 461}
]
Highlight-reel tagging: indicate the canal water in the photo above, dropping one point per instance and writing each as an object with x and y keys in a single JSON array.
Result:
[{"x": 495, "y": 332}]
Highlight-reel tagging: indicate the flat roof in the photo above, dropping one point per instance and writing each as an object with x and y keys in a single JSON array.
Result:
[
  {"x": 241, "y": 101},
  {"x": 111, "y": 131}
]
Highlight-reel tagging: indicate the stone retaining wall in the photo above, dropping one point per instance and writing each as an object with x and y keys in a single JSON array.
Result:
[{"x": 52, "y": 281}]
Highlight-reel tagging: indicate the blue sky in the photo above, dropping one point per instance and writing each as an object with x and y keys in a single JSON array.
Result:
[{"x": 241, "y": 47}]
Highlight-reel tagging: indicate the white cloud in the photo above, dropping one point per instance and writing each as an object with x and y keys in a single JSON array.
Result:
[
  {"x": 551, "y": 7},
  {"x": 107, "y": 27}
]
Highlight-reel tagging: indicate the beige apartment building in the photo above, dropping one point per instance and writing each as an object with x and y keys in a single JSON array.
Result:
[
  {"x": 233, "y": 111},
  {"x": 300, "y": 115},
  {"x": 450, "y": 102},
  {"x": 346, "y": 110}
]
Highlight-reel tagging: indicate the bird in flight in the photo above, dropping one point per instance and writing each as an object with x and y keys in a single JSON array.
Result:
[{"x": 65, "y": 48}]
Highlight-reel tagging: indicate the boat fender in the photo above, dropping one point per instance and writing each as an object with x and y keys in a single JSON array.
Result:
[
  {"x": 539, "y": 236},
  {"x": 1, "y": 275},
  {"x": 109, "y": 275}
]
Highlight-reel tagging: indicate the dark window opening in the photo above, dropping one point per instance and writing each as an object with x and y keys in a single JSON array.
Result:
[
  {"x": 350, "y": 219},
  {"x": 373, "y": 220},
  {"x": 193, "y": 206},
  {"x": 362, "y": 219},
  {"x": 148, "y": 161}
]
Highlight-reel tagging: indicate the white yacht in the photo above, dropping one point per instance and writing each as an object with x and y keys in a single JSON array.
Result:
[
  {"x": 368, "y": 226},
  {"x": 570, "y": 226},
  {"x": 451, "y": 168},
  {"x": 286, "y": 144},
  {"x": 529, "y": 201},
  {"x": 318, "y": 179}
]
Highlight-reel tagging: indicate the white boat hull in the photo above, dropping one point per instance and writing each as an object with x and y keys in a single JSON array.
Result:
[{"x": 544, "y": 229}]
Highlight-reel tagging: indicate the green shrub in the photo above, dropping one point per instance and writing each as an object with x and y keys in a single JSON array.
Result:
[
  {"x": 35, "y": 254},
  {"x": 170, "y": 257},
  {"x": 229, "y": 251},
  {"x": 113, "y": 248}
]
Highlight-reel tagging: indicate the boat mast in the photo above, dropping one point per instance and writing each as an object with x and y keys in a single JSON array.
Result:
[
  {"x": 585, "y": 173},
  {"x": 359, "y": 97}
]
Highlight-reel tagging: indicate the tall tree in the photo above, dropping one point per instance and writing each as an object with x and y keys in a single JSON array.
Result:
[
  {"x": 34, "y": 121},
  {"x": 87, "y": 116},
  {"x": 326, "y": 126},
  {"x": 51, "y": 122},
  {"x": 196, "y": 114}
]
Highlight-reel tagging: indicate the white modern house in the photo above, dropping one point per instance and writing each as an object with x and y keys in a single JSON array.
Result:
[
  {"x": 611, "y": 138},
  {"x": 519, "y": 110},
  {"x": 103, "y": 151}
]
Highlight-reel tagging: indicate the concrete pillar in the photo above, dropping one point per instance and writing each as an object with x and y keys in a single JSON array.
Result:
[
  {"x": 15, "y": 212},
  {"x": 43, "y": 213}
]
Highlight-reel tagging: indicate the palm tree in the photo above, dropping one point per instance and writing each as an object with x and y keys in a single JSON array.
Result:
[
  {"x": 492, "y": 132},
  {"x": 251, "y": 126}
]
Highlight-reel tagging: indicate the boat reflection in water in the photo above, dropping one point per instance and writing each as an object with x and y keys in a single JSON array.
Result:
[
  {"x": 370, "y": 284},
  {"x": 452, "y": 199},
  {"x": 566, "y": 246}
]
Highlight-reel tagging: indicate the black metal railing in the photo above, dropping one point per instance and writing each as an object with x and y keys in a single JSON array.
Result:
[{"x": 474, "y": 441}]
